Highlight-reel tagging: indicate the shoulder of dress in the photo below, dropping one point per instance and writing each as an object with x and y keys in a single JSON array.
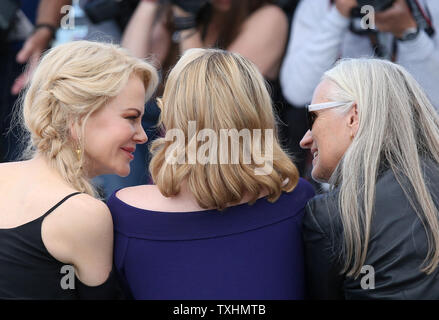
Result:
[{"x": 323, "y": 211}]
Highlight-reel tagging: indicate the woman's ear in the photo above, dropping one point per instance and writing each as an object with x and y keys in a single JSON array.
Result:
[
  {"x": 353, "y": 120},
  {"x": 75, "y": 130}
]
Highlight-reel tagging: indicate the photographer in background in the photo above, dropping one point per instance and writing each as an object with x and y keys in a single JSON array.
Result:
[
  {"x": 30, "y": 29},
  {"x": 322, "y": 33}
]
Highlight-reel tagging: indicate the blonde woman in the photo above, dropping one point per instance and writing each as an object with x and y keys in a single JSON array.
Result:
[
  {"x": 375, "y": 137},
  {"x": 82, "y": 112},
  {"x": 223, "y": 219}
]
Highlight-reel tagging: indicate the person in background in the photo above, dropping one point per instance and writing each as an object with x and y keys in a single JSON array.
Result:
[
  {"x": 31, "y": 31},
  {"x": 165, "y": 31},
  {"x": 82, "y": 114},
  {"x": 222, "y": 227},
  {"x": 374, "y": 235},
  {"x": 162, "y": 31},
  {"x": 321, "y": 34}
]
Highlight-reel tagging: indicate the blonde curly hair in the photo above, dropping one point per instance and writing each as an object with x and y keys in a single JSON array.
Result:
[
  {"x": 71, "y": 82},
  {"x": 219, "y": 90}
]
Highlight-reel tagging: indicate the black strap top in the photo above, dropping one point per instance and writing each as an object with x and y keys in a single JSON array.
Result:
[{"x": 29, "y": 271}]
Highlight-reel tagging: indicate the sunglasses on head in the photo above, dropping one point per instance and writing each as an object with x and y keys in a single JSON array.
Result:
[{"x": 311, "y": 116}]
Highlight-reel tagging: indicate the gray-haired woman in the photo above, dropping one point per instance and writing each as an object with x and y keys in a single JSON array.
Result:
[{"x": 374, "y": 137}]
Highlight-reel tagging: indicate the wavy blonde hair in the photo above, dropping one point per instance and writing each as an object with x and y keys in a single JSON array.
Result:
[
  {"x": 398, "y": 126},
  {"x": 219, "y": 90},
  {"x": 71, "y": 82}
]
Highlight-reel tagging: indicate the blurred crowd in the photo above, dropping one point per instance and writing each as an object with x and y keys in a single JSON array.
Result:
[{"x": 292, "y": 43}]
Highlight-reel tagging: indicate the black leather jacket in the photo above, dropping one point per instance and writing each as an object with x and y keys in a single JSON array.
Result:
[{"x": 397, "y": 247}]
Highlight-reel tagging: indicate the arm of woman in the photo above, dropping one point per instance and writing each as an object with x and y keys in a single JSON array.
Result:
[
  {"x": 420, "y": 56},
  {"x": 138, "y": 32},
  {"x": 91, "y": 238},
  {"x": 49, "y": 13},
  {"x": 263, "y": 38},
  {"x": 144, "y": 36},
  {"x": 316, "y": 39},
  {"x": 189, "y": 38},
  {"x": 81, "y": 235},
  {"x": 323, "y": 281}
]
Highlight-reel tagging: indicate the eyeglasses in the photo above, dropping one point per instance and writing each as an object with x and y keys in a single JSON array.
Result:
[{"x": 311, "y": 116}]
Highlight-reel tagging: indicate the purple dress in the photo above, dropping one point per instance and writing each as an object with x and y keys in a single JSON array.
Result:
[{"x": 248, "y": 252}]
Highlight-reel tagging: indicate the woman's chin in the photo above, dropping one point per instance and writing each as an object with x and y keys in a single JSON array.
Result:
[
  {"x": 123, "y": 173},
  {"x": 318, "y": 176}
]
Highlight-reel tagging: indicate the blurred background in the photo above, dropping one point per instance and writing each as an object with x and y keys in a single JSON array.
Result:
[{"x": 292, "y": 42}]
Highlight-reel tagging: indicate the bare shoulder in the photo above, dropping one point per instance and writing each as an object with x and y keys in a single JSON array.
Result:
[
  {"x": 8, "y": 167},
  {"x": 140, "y": 196},
  {"x": 84, "y": 209},
  {"x": 269, "y": 14},
  {"x": 149, "y": 197},
  {"x": 10, "y": 172},
  {"x": 81, "y": 233},
  {"x": 266, "y": 22},
  {"x": 82, "y": 222},
  {"x": 3, "y": 171},
  {"x": 272, "y": 11},
  {"x": 5, "y": 165}
]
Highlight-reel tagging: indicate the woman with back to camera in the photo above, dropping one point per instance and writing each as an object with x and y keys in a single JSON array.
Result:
[
  {"x": 215, "y": 229},
  {"x": 82, "y": 112},
  {"x": 256, "y": 29},
  {"x": 375, "y": 137}
]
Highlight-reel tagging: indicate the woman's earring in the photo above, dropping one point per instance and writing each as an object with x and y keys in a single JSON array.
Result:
[{"x": 78, "y": 153}]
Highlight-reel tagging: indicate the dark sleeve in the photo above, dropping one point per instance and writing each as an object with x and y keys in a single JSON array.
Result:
[
  {"x": 111, "y": 289},
  {"x": 321, "y": 268}
]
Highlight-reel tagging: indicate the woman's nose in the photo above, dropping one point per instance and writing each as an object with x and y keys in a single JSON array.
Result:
[
  {"x": 306, "y": 141},
  {"x": 141, "y": 136}
]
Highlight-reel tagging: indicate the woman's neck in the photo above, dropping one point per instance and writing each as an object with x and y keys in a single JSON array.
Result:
[{"x": 186, "y": 195}]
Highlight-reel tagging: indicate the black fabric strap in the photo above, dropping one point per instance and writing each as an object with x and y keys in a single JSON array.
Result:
[
  {"x": 51, "y": 28},
  {"x": 184, "y": 23},
  {"x": 60, "y": 203}
]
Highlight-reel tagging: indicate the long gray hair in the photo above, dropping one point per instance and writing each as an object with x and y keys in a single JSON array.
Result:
[{"x": 398, "y": 126}]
